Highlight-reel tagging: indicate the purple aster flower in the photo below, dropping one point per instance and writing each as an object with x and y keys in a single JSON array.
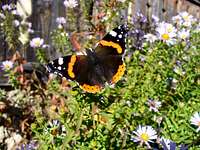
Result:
[
  {"x": 7, "y": 65},
  {"x": 154, "y": 105},
  {"x": 32, "y": 145},
  {"x": 55, "y": 128},
  {"x": 36, "y": 42},
  {"x": 170, "y": 145}
]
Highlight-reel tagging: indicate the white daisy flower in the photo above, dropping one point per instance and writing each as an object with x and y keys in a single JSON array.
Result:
[
  {"x": 177, "y": 19},
  {"x": 195, "y": 120},
  {"x": 60, "y": 20},
  {"x": 166, "y": 32},
  {"x": 122, "y": 1},
  {"x": 55, "y": 128},
  {"x": 144, "y": 135},
  {"x": 150, "y": 37},
  {"x": 184, "y": 34},
  {"x": 186, "y": 16},
  {"x": 36, "y": 42},
  {"x": 7, "y": 65},
  {"x": 70, "y": 3},
  {"x": 188, "y": 19},
  {"x": 153, "y": 105},
  {"x": 187, "y": 23}
]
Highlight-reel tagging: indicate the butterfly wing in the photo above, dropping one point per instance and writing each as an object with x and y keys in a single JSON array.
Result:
[
  {"x": 110, "y": 52},
  {"x": 113, "y": 43},
  {"x": 78, "y": 68},
  {"x": 114, "y": 68}
]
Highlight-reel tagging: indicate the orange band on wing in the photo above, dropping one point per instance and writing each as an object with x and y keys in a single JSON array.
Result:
[
  {"x": 71, "y": 65},
  {"x": 112, "y": 44},
  {"x": 91, "y": 88},
  {"x": 119, "y": 74}
]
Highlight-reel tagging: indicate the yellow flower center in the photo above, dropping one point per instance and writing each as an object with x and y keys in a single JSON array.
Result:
[
  {"x": 7, "y": 66},
  {"x": 170, "y": 29},
  {"x": 54, "y": 131},
  {"x": 199, "y": 123},
  {"x": 186, "y": 18},
  {"x": 165, "y": 36},
  {"x": 144, "y": 137},
  {"x": 183, "y": 36},
  {"x": 37, "y": 43}
]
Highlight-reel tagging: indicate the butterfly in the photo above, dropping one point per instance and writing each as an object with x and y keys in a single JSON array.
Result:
[{"x": 101, "y": 65}]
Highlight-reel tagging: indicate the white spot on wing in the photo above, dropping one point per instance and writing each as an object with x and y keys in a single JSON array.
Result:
[
  {"x": 58, "y": 73},
  {"x": 113, "y": 33},
  {"x": 59, "y": 68},
  {"x": 120, "y": 36},
  {"x": 60, "y": 61}
]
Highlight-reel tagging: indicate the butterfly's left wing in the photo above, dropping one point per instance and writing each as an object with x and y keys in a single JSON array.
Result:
[{"x": 79, "y": 69}]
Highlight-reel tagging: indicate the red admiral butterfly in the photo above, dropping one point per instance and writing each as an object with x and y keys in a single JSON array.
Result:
[{"x": 101, "y": 65}]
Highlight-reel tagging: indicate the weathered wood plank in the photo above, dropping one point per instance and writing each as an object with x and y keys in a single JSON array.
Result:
[{"x": 170, "y": 7}]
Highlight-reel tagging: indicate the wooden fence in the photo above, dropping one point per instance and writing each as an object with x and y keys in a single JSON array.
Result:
[{"x": 45, "y": 13}]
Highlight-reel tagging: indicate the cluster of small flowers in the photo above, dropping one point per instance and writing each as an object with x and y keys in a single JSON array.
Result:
[
  {"x": 146, "y": 134},
  {"x": 12, "y": 10},
  {"x": 32, "y": 145},
  {"x": 139, "y": 23},
  {"x": 184, "y": 19},
  {"x": 178, "y": 30}
]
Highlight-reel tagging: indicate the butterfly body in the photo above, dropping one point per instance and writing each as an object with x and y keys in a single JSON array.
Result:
[{"x": 103, "y": 64}]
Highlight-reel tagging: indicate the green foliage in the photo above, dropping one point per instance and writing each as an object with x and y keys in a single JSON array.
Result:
[
  {"x": 10, "y": 31},
  {"x": 61, "y": 41},
  {"x": 105, "y": 120},
  {"x": 41, "y": 55},
  {"x": 13, "y": 80},
  {"x": 2, "y": 94},
  {"x": 168, "y": 73}
]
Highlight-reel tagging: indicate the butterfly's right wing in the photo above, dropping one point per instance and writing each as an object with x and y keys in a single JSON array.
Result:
[
  {"x": 77, "y": 68},
  {"x": 113, "y": 43},
  {"x": 114, "y": 68}
]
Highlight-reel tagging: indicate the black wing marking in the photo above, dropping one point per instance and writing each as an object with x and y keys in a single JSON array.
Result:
[{"x": 114, "y": 68}]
